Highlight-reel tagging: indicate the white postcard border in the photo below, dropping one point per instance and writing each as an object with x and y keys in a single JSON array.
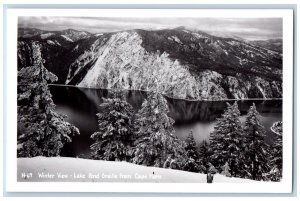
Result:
[{"x": 285, "y": 186}]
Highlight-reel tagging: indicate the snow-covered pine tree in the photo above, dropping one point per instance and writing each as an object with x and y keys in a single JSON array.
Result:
[
  {"x": 226, "y": 170},
  {"x": 156, "y": 144},
  {"x": 192, "y": 153},
  {"x": 41, "y": 131},
  {"x": 113, "y": 141},
  {"x": 226, "y": 141},
  {"x": 275, "y": 162},
  {"x": 203, "y": 159},
  {"x": 256, "y": 149}
]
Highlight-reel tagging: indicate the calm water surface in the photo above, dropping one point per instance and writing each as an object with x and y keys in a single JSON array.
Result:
[{"x": 81, "y": 106}]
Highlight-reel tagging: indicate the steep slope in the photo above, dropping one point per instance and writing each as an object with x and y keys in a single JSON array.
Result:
[
  {"x": 176, "y": 62},
  {"x": 123, "y": 63},
  {"x": 202, "y": 51},
  {"x": 180, "y": 64},
  {"x": 271, "y": 44}
]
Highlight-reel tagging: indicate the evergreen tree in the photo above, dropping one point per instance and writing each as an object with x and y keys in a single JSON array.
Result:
[
  {"x": 192, "y": 153},
  {"x": 211, "y": 169},
  {"x": 204, "y": 155},
  {"x": 41, "y": 131},
  {"x": 256, "y": 151},
  {"x": 276, "y": 153},
  {"x": 114, "y": 138},
  {"x": 226, "y": 170},
  {"x": 226, "y": 141},
  {"x": 156, "y": 144}
]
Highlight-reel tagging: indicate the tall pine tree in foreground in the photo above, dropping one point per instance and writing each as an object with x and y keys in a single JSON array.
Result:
[
  {"x": 204, "y": 154},
  {"x": 156, "y": 144},
  {"x": 192, "y": 153},
  {"x": 276, "y": 153},
  {"x": 114, "y": 138},
  {"x": 256, "y": 150},
  {"x": 41, "y": 131},
  {"x": 226, "y": 141}
]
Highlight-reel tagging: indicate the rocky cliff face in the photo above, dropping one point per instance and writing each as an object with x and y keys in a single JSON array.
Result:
[{"x": 176, "y": 62}]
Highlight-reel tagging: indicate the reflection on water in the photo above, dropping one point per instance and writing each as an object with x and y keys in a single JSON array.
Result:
[{"x": 81, "y": 106}]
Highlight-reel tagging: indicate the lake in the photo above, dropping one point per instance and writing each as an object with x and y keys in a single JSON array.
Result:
[{"x": 82, "y": 104}]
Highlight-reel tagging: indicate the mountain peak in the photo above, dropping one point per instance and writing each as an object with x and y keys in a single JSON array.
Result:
[
  {"x": 74, "y": 31},
  {"x": 180, "y": 28}
]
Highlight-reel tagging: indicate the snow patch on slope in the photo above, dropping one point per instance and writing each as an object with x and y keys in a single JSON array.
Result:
[
  {"x": 67, "y": 38},
  {"x": 76, "y": 48},
  {"x": 46, "y": 35},
  {"x": 197, "y": 35},
  {"x": 175, "y": 38},
  {"x": 50, "y": 42},
  {"x": 57, "y": 43}
]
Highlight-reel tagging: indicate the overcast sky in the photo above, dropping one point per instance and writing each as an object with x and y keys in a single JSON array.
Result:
[{"x": 247, "y": 28}]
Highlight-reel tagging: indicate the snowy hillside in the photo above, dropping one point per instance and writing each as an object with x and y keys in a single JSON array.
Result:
[
  {"x": 124, "y": 62},
  {"x": 84, "y": 170},
  {"x": 272, "y": 44},
  {"x": 179, "y": 63}
]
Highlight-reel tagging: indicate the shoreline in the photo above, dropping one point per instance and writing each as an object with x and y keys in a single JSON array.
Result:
[{"x": 191, "y": 100}]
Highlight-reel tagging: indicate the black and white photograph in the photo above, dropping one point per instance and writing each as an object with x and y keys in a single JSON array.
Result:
[
  {"x": 149, "y": 100},
  {"x": 163, "y": 100}
]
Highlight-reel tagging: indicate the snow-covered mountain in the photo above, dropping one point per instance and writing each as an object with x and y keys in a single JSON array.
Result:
[
  {"x": 177, "y": 62},
  {"x": 271, "y": 44},
  {"x": 56, "y": 48},
  {"x": 75, "y": 35},
  {"x": 68, "y": 34}
]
